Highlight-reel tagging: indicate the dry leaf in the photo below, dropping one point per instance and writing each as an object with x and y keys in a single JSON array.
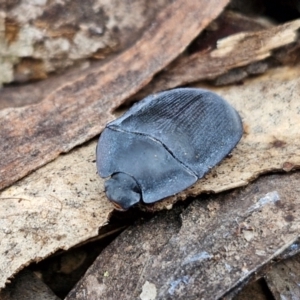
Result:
[{"x": 56, "y": 207}]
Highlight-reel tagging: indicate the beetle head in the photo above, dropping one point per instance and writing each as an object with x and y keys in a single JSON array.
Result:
[{"x": 122, "y": 190}]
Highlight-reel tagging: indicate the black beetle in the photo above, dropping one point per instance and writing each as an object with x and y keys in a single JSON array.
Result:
[{"x": 164, "y": 144}]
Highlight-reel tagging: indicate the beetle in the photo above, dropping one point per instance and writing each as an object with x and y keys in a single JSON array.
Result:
[{"x": 164, "y": 144}]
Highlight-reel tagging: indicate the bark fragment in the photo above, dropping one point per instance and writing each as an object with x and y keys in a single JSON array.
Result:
[
  {"x": 202, "y": 252},
  {"x": 38, "y": 38},
  {"x": 231, "y": 52},
  {"x": 283, "y": 280}
]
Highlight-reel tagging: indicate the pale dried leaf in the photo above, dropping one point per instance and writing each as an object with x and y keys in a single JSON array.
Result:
[{"x": 56, "y": 207}]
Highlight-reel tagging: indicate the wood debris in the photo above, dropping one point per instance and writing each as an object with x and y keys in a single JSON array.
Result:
[
  {"x": 232, "y": 52},
  {"x": 198, "y": 253}
]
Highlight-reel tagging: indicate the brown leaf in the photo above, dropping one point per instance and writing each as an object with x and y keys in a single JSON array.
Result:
[{"x": 74, "y": 113}]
